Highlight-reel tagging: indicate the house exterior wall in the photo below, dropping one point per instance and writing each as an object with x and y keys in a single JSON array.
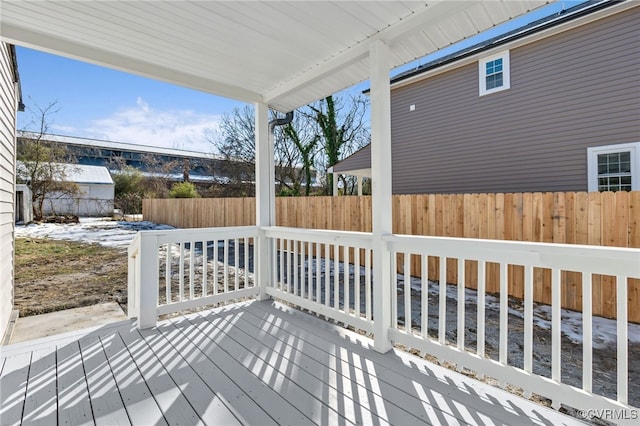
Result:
[
  {"x": 8, "y": 108},
  {"x": 93, "y": 200},
  {"x": 573, "y": 90}
]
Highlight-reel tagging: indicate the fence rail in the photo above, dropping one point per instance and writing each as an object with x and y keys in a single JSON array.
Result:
[{"x": 605, "y": 219}]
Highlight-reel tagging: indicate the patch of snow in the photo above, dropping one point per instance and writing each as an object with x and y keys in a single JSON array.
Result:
[
  {"x": 106, "y": 232},
  {"x": 604, "y": 330}
]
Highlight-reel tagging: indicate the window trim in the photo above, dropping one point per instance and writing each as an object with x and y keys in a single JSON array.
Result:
[
  {"x": 592, "y": 163},
  {"x": 506, "y": 73}
]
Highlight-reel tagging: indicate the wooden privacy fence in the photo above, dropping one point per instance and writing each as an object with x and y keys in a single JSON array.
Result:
[{"x": 607, "y": 218}]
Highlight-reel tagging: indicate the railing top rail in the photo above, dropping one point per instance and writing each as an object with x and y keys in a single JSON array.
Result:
[
  {"x": 567, "y": 257},
  {"x": 199, "y": 234},
  {"x": 134, "y": 246},
  {"x": 348, "y": 238}
]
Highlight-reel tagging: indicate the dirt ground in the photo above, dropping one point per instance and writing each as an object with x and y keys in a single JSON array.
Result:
[{"x": 53, "y": 275}]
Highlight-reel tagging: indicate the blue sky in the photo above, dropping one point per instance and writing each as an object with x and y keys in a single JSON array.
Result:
[{"x": 101, "y": 103}]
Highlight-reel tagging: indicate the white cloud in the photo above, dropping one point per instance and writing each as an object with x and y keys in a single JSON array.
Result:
[{"x": 144, "y": 125}]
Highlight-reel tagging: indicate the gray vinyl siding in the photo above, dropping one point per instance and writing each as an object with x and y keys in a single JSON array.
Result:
[
  {"x": 574, "y": 90},
  {"x": 7, "y": 181}
]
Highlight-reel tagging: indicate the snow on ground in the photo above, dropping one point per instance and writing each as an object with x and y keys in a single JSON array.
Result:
[
  {"x": 103, "y": 231},
  {"x": 604, "y": 330}
]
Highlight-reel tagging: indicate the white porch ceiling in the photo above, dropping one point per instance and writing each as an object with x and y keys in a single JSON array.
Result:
[{"x": 283, "y": 53}]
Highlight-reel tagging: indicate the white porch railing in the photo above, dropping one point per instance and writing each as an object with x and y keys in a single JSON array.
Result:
[
  {"x": 176, "y": 270},
  {"x": 320, "y": 271},
  {"x": 588, "y": 260},
  {"x": 329, "y": 273}
]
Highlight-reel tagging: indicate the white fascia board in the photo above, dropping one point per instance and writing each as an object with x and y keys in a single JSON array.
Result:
[
  {"x": 519, "y": 42},
  {"x": 30, "y": 38}
]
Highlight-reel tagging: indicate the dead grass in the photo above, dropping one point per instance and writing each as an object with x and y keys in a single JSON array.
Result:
[{"x": 52, "y": 275}]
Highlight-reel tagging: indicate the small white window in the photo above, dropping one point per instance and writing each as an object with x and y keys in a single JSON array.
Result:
[
  {"x": 614, "y": 167},
  {"x": 494, "y": 73}
]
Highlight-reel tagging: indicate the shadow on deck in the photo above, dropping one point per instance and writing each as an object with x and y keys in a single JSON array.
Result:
[{"x": 247, "y": 363}]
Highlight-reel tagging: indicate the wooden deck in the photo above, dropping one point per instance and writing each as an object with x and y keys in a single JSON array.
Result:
[{"x": 248, "y": 363}]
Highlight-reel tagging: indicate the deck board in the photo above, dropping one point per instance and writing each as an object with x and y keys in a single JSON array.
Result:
[
  {"x": 248, "y": 363},
  {"x": 74, "y": 405},
  {"x": 227, "y": 391},
  {"x": 104, "y": 396}
]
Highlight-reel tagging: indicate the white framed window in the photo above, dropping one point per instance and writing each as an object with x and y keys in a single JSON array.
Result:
[
  {"x": 494, "y": 72},
  {"x": 614, "y": 167}
]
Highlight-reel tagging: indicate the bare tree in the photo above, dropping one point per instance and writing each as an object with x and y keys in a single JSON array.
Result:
[
  {"x": 319, "y": 136},
  {"x": 234, "y": 142},
  {"x": 42, "y": 163},
  {"x": 344, "y": 128}
]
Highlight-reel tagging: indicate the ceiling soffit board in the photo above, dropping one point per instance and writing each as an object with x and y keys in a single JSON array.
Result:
[{"x": 286, "y": 54}]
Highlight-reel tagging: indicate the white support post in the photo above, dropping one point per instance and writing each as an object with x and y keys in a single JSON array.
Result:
[
  {"x": 265, "y": 197},
  {"x": 335, "y": 184},
  {"x": 147, "y": 290},
  {"x": 359, "y": 186},
  {"x": 381, "y": 199}
]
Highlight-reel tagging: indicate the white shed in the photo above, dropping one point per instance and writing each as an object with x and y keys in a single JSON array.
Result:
[
  {"x": 24, "y": 207},
  {"x": 95, "y": 197}
]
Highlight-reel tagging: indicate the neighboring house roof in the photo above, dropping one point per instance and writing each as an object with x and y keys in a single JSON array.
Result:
[
  {"x": 359, "y": 164},
  {"x": 81, "y": 174}
]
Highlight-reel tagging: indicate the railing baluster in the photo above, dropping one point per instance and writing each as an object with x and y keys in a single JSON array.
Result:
[
  {"x": 461, "y": 304},
  {"x": 528, "y": 319},
  {"x": 623, "y": 346},
  {"x": 587, "y": 332},
  {"x": 356, "y": 281},
  {"x": 318, "y": 280},
  {"x": 274, "y": 263},
  {"x": 246, "y": 262},
  {"x": 282, "y": 271},
  {"x": 442, "y": 301},
  {"x": 236, "y": 263},
  {"x": 296, "y": 281},
  {"x": 504, "y": 314},
  {"x": 216, "y": 281},
  {"x": 192, "y": 272},
  {"x": 181, "y": 272},
  {"x": 394, "y": 289},
  {"x": 290, "y": 288},
  {"x": 336, "y": 276},
  {"x": 424, "y": 296},
  {"x": 556, "y": 330},
  {"x": 407, "y": 292},
  {"x": 327, "y": 273},
  {"x": 367, "y": 281},
  {"x": 205, "y": 264},
  {"x": 482, "y": 290},
  {"x": 303, "y": 274},
  {"x": 225, "y": 263},
  {"x": 167, "y": 273},
  {"x": 346, "y": 278},
  {"x": 310, "y": 271}
]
